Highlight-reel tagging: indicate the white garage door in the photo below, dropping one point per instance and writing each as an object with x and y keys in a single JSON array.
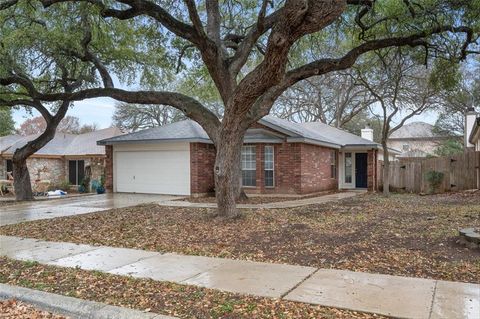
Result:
[{"x": 156, "y": 172}]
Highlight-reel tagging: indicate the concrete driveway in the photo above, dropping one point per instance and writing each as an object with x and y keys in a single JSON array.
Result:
[{"x": 46, "y": 209}]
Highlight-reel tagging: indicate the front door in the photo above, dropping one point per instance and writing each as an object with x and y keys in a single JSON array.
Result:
[{"x": 361, "y": 170}]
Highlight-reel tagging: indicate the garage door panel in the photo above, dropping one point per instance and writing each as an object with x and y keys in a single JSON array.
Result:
[{"x": 159, "y": 172}]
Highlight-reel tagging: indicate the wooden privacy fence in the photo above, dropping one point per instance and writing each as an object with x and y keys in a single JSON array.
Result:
[{"x": 461, "y": 172}]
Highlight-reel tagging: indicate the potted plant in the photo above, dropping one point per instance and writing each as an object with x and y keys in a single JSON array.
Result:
[{"x": 101, "y": 188}]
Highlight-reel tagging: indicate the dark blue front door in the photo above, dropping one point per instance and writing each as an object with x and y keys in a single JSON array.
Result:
[{"x": 361, "y": 170}]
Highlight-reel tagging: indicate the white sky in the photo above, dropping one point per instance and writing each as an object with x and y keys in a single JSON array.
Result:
[{"x": 100, "y": 111}]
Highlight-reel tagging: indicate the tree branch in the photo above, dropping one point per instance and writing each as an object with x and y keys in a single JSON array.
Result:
[{"x": 189, "y": 106}]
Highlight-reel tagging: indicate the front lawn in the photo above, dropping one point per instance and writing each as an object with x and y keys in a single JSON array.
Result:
[
  {"x": 406, "y": 235},
  {"x": 159, "y": 297}
]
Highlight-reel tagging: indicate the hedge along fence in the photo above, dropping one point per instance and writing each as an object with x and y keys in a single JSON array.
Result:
[{"x": 461, "y": 172}]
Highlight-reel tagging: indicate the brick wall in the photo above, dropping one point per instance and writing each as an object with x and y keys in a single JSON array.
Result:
[
  {"x": 316, "y": 169},
  {"x": 299, "y": 169},
  {"x": 108, "y": 168},
  {"x": 202, "y": 161}
]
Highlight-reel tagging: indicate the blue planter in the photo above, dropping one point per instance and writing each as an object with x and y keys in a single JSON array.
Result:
[{"x": 100, "y": 190}]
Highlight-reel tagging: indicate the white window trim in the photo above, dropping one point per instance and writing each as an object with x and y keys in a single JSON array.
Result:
[
  {"x": 273, "y": 166},
  {"x": 254, "y": 169}
]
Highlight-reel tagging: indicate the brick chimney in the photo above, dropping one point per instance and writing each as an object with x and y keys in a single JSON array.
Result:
[
  {"x": 470, "y": 118},
  {"x": 367, "y": 133}
]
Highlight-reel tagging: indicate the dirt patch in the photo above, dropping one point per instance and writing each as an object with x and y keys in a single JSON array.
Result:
[
  {"x": 15, "y": 309},
  {"x": 406, "y": 235},
  {"x": 158, "y": 297}
]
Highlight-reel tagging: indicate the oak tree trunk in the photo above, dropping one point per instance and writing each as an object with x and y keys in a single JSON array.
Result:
[{"x": 228, "y": 173}]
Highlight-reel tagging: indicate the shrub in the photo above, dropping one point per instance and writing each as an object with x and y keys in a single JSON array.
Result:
[{"x": 435, "y": 179}]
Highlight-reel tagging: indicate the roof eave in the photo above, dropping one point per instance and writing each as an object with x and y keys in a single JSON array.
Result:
[
  {"x": 151, "y": 141},
  {"x": 278, "y": 128},
  {"x": 364, "y": 146},
  {"x": 312, "y": 141}
]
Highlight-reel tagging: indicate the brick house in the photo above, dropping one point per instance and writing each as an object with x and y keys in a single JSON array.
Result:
[
  {"x": 278, "y": 156},
  {"x": 67, "y": 157}
]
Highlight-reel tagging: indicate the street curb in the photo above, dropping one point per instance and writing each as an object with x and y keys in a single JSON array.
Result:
[{"x": 72, "y": 307}]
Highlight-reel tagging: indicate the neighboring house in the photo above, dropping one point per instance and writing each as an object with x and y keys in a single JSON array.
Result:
[
  {"x": 278, "y": 156},
  {"x": 67, "y": 157},
  {"x": 472, "y": 130},
  {"x": 417, "y": 139}
]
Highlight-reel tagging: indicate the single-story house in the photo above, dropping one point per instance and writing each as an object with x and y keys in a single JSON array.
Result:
[
  {"x": 278, "y": 156},
  {"x": 66, "y": 158}
]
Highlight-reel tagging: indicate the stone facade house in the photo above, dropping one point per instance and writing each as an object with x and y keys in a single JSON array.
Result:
[
  {"x": 66, "y": 158},
  {"x": 278, "y": 157}
]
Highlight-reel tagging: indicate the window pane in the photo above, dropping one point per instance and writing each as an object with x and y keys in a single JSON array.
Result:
[
  {"x": 249, "y": 178},
  {"x": 348, "y": 168},
  {"x": 72, "y": 172},
  {"x": 249, "y": 165},
  {"x": 80, "y": 171},
  {"x": 333, "y": 164},
  {"x": 269, "y": 178},
  {"x": 269, "y": 166}
]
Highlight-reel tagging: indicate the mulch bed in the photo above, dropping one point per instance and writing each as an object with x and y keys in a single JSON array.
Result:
[
  {"x": 407, "y": 235},
  {"x": 253, "y": 199},
  {"x": 15, "y": 309},
  {"x": 158, "y": 297}
]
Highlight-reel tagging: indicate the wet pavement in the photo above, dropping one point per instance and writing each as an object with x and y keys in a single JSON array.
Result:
[
  {"x": 396, "y": 296},
  {"x": 46, "y": 209}
]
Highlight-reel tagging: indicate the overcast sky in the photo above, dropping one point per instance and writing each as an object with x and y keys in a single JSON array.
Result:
[{"x": 100, "y": 111}]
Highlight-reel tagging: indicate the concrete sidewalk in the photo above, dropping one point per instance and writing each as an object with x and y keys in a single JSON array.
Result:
[
  {"x": 401, "y": 297},
  {"x": 72, "y": 307},
  {"x": 283, "y": 204}
]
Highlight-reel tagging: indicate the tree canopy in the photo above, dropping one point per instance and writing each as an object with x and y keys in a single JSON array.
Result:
[{"x": 7, "y": 124}]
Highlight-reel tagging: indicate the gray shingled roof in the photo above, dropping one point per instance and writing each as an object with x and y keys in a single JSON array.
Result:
[
  {"x": 339, "y": 136},
  {"x": 414, "y": 130},
  {"x": 64, "y": 144},
  {"x": 183, "y": 130},
  {"x": 188, "y": 130},
  {"x": 7, "y": 141}
]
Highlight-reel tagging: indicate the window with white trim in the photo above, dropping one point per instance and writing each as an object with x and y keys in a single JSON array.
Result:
[
  {"x": 348, "y": 168},
  {"x": 249, "y": 166},
  {"x": 269, "y": 166},
  {"x": 333, "y": 164}
]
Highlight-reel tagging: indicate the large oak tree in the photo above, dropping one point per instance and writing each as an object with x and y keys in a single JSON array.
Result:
[{"x": 252, "y": 51}]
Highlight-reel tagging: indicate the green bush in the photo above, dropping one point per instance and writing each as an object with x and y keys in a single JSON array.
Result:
[{"x": 435, "y": 179}]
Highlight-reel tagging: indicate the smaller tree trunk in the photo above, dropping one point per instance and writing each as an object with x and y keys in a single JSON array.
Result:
[
  {"x": 21, "y": 175},
  {"x": 386, "y": 169}
]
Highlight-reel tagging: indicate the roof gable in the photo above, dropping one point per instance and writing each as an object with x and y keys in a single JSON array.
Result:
[{"x": 64, "y": 144}]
